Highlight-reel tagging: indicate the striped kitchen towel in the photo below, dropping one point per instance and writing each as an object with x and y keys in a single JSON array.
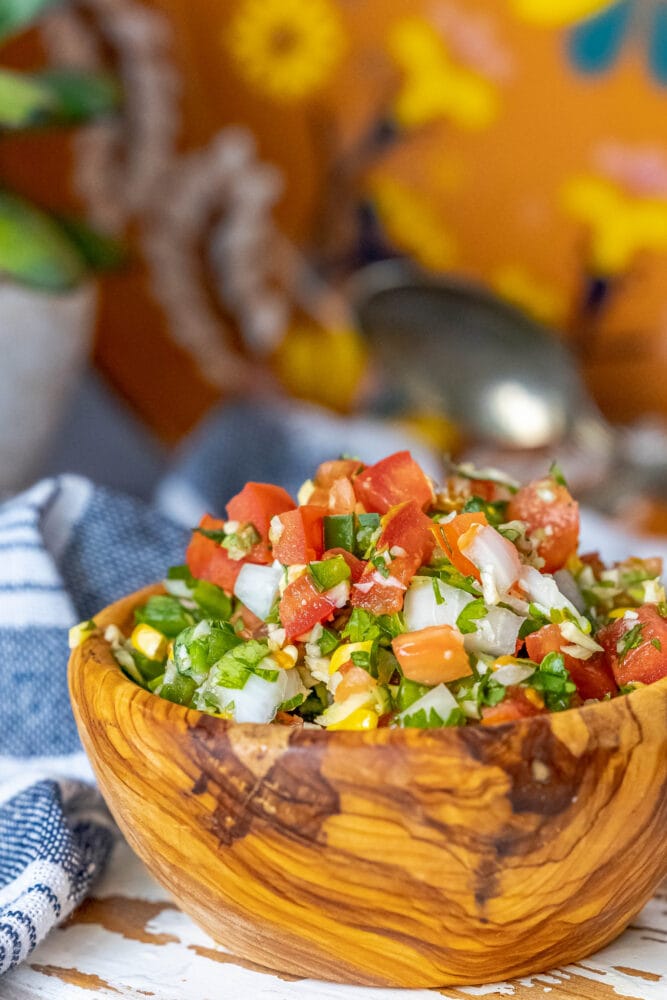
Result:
[{"x": 67, "y": 549}]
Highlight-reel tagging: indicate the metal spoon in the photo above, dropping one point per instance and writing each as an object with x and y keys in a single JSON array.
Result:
[{"x": 450, "y": 344}]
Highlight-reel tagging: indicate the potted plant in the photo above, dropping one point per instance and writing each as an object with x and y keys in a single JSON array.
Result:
[{"x": 47, "y": 297}]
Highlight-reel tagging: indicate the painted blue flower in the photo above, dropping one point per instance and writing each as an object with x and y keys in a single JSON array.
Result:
[{"x": 595, "y": 44}]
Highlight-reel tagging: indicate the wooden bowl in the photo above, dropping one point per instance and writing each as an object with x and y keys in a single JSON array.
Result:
[{"x": 395, "y": 857}]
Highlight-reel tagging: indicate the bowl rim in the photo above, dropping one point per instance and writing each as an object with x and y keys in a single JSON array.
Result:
[{"x": 297, "y": 734}]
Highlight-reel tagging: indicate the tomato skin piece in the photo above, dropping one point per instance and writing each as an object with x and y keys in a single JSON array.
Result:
[
  {"x": 405, "y": 527},
  {"x": 392, "y": 481},
  {"x": 515, "y": 706},
  {"x": 551, "y": 516},
  {"x": 302, "y": 537},
  {"x": 302, "y": 606},
  {"x": 207, "y": 560},
  {"x": 340, "y": 468},
  {"x": 433, "y": 655},
  {"x": 644, "y": 663},
  {"x": 593, "y": 677},
  {"x": 357, "y": 566},
  {"x": 448, "y": 535},
  {"x": 256, "y": 504}
]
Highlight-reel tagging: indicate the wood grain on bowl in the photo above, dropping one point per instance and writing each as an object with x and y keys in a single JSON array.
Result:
[{"x": 392, "y": 857}]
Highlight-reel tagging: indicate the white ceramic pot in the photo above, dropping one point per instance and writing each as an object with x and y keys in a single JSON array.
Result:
[{"x": 44, "y": 342}]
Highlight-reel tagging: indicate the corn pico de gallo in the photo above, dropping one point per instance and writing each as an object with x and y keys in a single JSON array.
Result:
[{"x": 383, "y": 599}]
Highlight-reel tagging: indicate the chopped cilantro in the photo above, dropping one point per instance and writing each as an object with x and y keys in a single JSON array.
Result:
[
  {"x": 553, "y": 681},
  {"x": 630, "y": 640},
  {"x": 657, "y": 644},
  {"x": 367, "y": 534},
  {"x": 472, "y": 612},
  {"x": 361, "y": 626},
  {"x": 439, "y": 599},
  {"x": 556, "y": 474},
  {"x": 327, "y": 642},
  {"x": 381, "y": 566},
  {"x": 494, "y": 511},
  {"x": 361, "y": 658}
]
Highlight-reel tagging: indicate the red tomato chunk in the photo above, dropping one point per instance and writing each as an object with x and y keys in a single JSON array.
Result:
[
  {"x": 551, "y": 517},
  {"x": 593, "y": 677},
  {"x": 302, "y": 606},
  {"x": 301, "y": 538},
  {"x": 392, "y": 481},
  {"x": 636, "y": 647}
]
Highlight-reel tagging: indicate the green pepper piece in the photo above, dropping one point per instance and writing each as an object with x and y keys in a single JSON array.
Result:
[
  {"x": 329, "y": 572},
  {"x": 339, "y": 532}
]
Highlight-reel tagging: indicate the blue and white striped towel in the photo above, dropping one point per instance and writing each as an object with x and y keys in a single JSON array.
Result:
[{"x": 66, "y": 550}]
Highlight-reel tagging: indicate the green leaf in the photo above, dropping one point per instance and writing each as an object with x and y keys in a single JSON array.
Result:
[
  {"x": 78, "y": 96},
  {"x": 382, "y": 566},
  {"x": 554, "y": 683},
  {"x": 212, "y": 599},
  {"x": 361, "y": 626},
  {"x": 657, "y": 644},
  {"x": 472, "y": 612},
  {"x": 392, "y": 625},
  {"x": 557, "y": 475},
  {"x": 18, "y": 14},
  {"x": 630, "y": 640},
  {"x": 408, "y": 693},
  {"x": 362, "y": 659},
  {"x": 439, "y": 599},
  {"x": 180, "y": 689},
  {"x": 23, "y": 101},
  {"x": 33, "y": 248},
  {"x": 494, "y": 512},
  {"x": 164, "y": 613},
  {"x": 327, "y": 642},
  {"x": 99, "y": 251}
]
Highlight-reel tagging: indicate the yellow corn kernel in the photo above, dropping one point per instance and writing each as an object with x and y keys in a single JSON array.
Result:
[
  {"x": 534, "y": 696},
  {"x": 285, "y": 658},
  {"x": 574, "y": 564},
  {"x": 363, "y": 718},
  {"x": 79, "y": 633},
  {"x": 619, "y": 612},
  {"x": 502, "y": 661},
  {"x": 344, "y": 653},
  {"x": 148, "y": 641}
]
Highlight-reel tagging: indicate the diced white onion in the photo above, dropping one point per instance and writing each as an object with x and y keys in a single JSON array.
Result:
[
  {"x": 512, "y": 673},
  {"x": 572, "y": 634},
  {"x": 542, "y": 590},
  {"x": 257, "y": 588},
  {"x": 421, "y": 608},
  {"x": 439, "y": 698},
  {"x": 338, "y": 596},
  {"x": 495, "y": 557},
  {"x": 496, "y": 633},
  {"x": 177, "y": 588},
  {"x": 259, "y": 699},
  {"x": 568, "y": 586},
  {"x": 201, "y": 629}
]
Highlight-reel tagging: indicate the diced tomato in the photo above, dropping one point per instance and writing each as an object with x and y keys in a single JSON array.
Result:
[
  {"x": 392, "y": 481},
  {"x": 357, "y": 566},
  {"x": 355, "y": 680},
  {"x": 516, "y": 705},
  {"x": 302, "y": 606},
  {"x": 642, "y": 656},
  {"x": 301, "y": 539},
  {"x": 341, "y": 468},
  {"x": 407, "y": 538},
  {"x": 448, "y": 535},
  {"x": 593, "y": 677},
  {"x": 342, "y": 498},
  {"x": 256, "y": 504},
  {"x": 207, "y": 560},
  {"x": 434, "y": 655},
  {"x": 551, "y": 517}
]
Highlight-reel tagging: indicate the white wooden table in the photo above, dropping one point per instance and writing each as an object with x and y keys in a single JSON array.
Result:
[{"x": 130, "y": 941}]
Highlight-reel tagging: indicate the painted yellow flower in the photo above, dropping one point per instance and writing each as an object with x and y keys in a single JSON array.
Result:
[
  {"x": 516, "y": 284},
  {"x": 434, "y": 85},
  {"x": 620, "y": 224},
  {"x": 326, "y": 366},
  {"x": 286, "y": 49},
  {"x": 410, "y": 224},
  {"x": 557, "y": 13}
]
